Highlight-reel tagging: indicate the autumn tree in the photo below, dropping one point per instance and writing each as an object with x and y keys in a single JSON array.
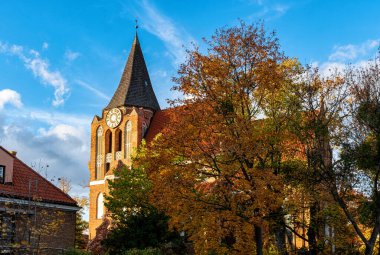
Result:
[
  {"x": 337, "y": 128},
  {"x": 320, "y": 105},
  {"x": 362, "y": 151},
  {"x": 215, "y": 169},
  {"x": 136, "y": 222}
]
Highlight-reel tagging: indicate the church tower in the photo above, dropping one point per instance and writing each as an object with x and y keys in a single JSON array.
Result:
[{"x": 120, "y": 129}]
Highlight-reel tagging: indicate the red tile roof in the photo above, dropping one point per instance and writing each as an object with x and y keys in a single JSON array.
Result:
[
  {"x": 41, "y": 189},
  {"x": 160, "y": 120}
]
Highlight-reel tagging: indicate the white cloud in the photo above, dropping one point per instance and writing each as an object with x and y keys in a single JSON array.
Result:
[
  {"x": 40, "y": 69},
  {"x": 92, "y": 89},
  {"x": 60, "y": 140},
  {"x": 71, "y": 55},
  {"x": 351, "y": 52},
  {"x": 45, "y": 46},
  {"x": 8, "y": 96},
  {"x": 327, "y": 68},
  {"x": 174, "y": 37},
  {"x": 62, "y": 132},
  {"x": 269, "y": 11},
  {"x": 280, "y": 9},
  {"x": 56, "y": 118},
  {"x": 359, "y": 56}
]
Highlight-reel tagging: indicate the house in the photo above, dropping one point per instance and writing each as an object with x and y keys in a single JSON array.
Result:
[{"x": 34, "y": 214}]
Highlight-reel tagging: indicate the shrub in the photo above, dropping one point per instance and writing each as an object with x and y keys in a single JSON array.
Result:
[{"x": 147, "y": 251}]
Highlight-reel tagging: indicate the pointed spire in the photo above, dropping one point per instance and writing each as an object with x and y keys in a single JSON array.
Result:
[{"x": 135, "y": 88}]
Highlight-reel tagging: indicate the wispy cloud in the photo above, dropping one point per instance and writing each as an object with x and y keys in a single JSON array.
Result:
[
  {"x": 173, "y": 36},
  {"x": 71, "y": 55},
  {"x": 8, "y": 96},
  {"x": 351, "y": 51},
  {"x": 40, "y": 69},
  {"x": 45, "y": 46},
  {"x": 357, "y": 55},
  {"x": 92, "y": 89},
  {"x": 269, "y": 11}
]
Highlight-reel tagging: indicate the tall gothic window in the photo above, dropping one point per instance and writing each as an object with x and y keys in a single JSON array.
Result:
[
  {"x": 117, "y": 140},
  {"x": 128, "y": 139},
  {"x": 99, "y": 206},
  {"x": 108, "y": 141},
  {"x": 99, "y": 152},
  {"x": 108, "y": 153}
]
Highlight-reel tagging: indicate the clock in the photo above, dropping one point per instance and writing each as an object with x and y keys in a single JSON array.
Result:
[{"x": 113, "y": 117}]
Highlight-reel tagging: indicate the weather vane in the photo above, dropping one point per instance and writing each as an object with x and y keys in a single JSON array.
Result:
[{"x": 137, "y": 25}]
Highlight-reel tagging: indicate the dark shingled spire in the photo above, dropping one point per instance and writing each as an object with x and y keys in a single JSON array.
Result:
[{"x": 135, "y": 88}]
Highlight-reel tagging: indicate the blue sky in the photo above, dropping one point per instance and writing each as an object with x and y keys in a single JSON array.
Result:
[{"x": 61, "y": 61}]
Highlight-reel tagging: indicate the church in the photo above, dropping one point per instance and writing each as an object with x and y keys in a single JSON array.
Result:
[{"x": 133, "y": 114}]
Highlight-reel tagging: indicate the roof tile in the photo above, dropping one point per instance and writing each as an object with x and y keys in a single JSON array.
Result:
[
  {"x": 135, "y": 88},
  {"x": 27, "y": 183}
]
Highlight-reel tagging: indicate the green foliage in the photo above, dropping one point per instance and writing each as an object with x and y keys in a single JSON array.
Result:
[
  {"x": 147, "y": 251},
  {"x": 128, "y": 193},
  {"x": 366, "y": 211},
  {"x": 81, "y": 225},
  {"x": 139, "y": 224},
  {"x": 368, "y": 112},
  {"x": 367, "y": 154},
  {"x": 141, "y": 230}
]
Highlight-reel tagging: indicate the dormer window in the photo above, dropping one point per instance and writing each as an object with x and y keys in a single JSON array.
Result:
[{"x": 2, "y": 174}]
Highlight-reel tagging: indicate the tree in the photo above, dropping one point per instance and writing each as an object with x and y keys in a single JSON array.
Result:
[
  {"x": 217, "y": 163},
  {"x": 137, "y": 223},
  {"x": 336, "y": 126},
  {"x": 80, "y": 224},
  {"x": 363, "y": 148},
  {"x": 319, "y": 126}
]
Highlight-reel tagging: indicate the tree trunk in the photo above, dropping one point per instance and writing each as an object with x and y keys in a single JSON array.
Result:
[
  {"x": 258, "y": 239},
  {"x": 312, "y": 232},
  {"x": 280, "y": 233},
  {"x": 369, "y": 250},
  {"x": 279, "y": 230}
]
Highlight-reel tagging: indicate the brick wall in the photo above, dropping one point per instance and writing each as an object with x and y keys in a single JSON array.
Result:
[
  {"x": 41, "y": 227},
  {"x": 137, "y": 116}
]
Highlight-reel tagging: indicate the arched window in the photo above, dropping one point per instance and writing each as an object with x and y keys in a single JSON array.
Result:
[
  {"x": 108, "y": 141},
  {"x": 128, "y": 139},
  {"x": 99, "y": 152},
  {"x": 144, "y": 129},
  {"x": 99, "y": 206},
  {"x": 118, "y": 140},
  {"x": 108, "y": 146}
]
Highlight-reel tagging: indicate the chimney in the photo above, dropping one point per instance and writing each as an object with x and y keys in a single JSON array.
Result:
[{"x": 14, "y": 153}]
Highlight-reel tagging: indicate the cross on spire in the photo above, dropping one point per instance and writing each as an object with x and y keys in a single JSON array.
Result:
[{"x": 137, "y": 24}]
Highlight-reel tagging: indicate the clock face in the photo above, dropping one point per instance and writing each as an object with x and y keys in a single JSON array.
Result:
[{"x": 113, "y": 118}]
